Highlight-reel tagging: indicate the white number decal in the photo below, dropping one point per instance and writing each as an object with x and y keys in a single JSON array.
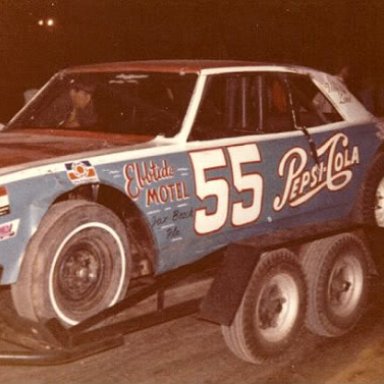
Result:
[
  {"x": 206, "y": 222},
  {"x": 202, "y": 161},
  {"x": 239, "y": 155}
]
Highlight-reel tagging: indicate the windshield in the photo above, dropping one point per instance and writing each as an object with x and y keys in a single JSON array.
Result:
[{"x": 124, "y": 103}]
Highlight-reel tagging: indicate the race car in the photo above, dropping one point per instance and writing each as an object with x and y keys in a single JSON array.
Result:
[{"x": 120, "y": 170}]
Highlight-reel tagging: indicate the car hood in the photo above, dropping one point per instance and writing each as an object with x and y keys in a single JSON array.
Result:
[{"x": 25, "y": 146}]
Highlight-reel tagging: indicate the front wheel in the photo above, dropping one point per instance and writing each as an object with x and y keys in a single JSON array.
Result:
[
  {"x": 272, "y": 309},
  {"x": 77, "y": 263}
]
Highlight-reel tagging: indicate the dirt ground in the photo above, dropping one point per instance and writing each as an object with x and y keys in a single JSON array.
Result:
[{"x": 188, "y": 351}]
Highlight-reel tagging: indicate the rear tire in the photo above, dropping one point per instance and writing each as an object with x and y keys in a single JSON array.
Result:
[
  {"x": 272, "y": 309},
  {"x": 373, "y": 194},
  {"x": 76, "y": 264},
  {"x": 336, "y": 269}
]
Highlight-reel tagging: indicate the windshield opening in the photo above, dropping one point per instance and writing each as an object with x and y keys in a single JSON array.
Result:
[{"x": 121, "y": 103}]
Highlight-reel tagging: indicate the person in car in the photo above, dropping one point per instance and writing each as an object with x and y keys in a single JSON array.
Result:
[{"x": 82, "y": 113}]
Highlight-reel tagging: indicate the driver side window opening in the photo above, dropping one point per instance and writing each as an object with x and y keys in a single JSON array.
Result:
[
  {"x": 254, "y": 103},
  {"x": 230, "y": 107},
  {"x": 243, "y": 104}
]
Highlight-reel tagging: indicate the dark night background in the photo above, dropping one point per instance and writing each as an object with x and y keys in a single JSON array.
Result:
[{"x": 322, "y": 34}]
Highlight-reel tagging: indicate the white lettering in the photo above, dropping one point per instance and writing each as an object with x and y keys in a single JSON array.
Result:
[{"x": 334, "y": 172}]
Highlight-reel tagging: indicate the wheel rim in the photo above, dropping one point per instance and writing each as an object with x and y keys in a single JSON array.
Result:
[
  {"x": 277, "y": 307},
  {"x": 82, "y": 268},
  {"x": 379, "y": 204},
  {"x": 345, "y": 285},
  {"x": 81, "y": 272}
]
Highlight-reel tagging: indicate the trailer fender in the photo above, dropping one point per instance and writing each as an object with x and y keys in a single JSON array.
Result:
[{"x": 231, "y": 280}]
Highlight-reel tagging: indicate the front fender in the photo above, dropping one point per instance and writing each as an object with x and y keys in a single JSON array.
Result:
[{"x": 28, "y": 201}]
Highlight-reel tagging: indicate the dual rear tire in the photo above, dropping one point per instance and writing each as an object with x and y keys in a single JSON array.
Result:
[
  {"x": 271, "y": 312},
  {"x": 326, "y": 288},
  {"x": 336, "y": 270}
]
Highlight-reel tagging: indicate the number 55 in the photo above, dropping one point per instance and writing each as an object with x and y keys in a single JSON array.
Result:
[{"x": 219, "y": 188}]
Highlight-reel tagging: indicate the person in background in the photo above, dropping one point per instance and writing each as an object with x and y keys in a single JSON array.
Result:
[
  {"x": 367, "y": 93},
  {"x": 344, "y": 74},
  {"x": 364, "y": 85},
  {"x": 370, "y": 91}
]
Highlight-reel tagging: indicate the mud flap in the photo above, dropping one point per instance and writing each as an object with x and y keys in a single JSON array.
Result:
[{"x": 228, "y": 287}]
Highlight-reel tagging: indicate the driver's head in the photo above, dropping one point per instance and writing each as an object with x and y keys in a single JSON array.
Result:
[{"x": 80, "y": 94}]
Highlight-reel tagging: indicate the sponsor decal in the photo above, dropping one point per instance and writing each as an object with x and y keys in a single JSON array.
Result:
[
  {"x": 339, "y": 91},
  {"x": 80, "y": 172},
  {"x": 169, "y": 220},
  {"x": 5, "y": 208},
  {"x": 9, "y": 229},
  {"x": 156, "y": 181},
  {"x": 333, "y": 172},
  {"x": 301, "y": 181}
]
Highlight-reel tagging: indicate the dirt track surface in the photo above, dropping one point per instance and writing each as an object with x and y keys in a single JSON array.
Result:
[{"x": 191, "y": 351}]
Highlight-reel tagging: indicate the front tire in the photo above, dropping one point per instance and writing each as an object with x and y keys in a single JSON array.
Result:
[
  {"x": 272, "y": 309},
  {"x": 77, "y": 263}
]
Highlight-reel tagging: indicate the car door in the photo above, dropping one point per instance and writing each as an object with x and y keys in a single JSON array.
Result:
[{"x": 246, "y": 130}]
